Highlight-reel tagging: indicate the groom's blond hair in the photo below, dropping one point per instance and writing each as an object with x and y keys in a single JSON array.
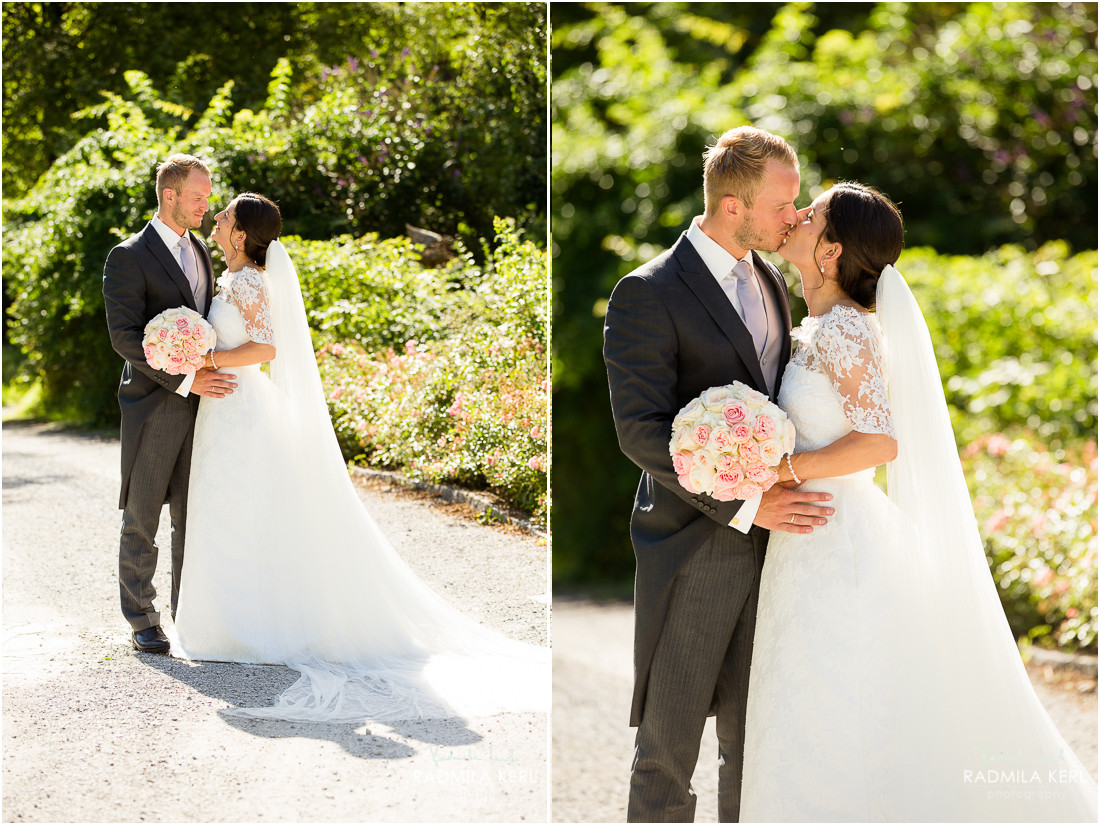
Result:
[
  {"x": 174, "y": 172},
  {"x": 735, "y": 164}
]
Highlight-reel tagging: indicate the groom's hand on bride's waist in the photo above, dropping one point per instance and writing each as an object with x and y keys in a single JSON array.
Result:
[
  {"x": 213, "y": 384},
  {"x": 792, "y": 510}
]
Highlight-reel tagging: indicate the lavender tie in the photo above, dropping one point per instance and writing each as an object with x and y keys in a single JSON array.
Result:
[
  {"x": 191, "y": 270},
  {"x": 753, "y": 312}
]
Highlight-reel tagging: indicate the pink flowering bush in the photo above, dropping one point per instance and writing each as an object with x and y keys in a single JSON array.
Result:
[
  {"x": 470, "y": 405},
  {"x": 1037, "y": 512}
]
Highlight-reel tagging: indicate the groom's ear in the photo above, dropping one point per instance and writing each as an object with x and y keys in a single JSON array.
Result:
[{"x": 732, "y": 206}]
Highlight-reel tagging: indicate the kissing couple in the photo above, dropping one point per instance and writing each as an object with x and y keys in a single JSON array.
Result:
[
  {"x": 851, "y": 644},
  {"x": 274, "y": 558}
]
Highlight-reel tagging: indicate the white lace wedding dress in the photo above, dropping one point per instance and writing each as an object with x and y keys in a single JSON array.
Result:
[
  {"x": 861, "y": 707},
  {"x": 283, "y": 564}
]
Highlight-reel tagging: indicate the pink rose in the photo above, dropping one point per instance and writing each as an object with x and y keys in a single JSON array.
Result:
[
  {"x": 681, "y": 462},
  {"x": 700, "y": 459},
  {"x": 535, "y": 464},
  {"x": 198, "y": 333},
  {"x": 749, "y": 450},
  {"x": 739, "y": 433},
  {"x": 701, "y": 434},
  {"x": 162, "y": 334},
  {"x": 763, "y": 428},
  {"x": 722, "y": 440},
  {"x": 747, "y": 490},
  {"x": 758, "y": 474},
  {"x": 181, "y": 323},
  {"x": 725, "y": 485},
  {"x": 734, "y": 412}
]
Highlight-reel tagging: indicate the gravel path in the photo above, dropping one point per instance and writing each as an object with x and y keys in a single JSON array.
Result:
[
  {"x": 94, "y": 731},
  {"x": 593, "y": 745}
]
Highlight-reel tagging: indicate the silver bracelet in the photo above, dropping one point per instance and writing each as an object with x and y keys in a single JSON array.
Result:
[{"x": 789, "y": 465}]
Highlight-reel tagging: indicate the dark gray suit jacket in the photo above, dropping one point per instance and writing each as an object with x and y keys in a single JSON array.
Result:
[
  {"x": 142, "y": 279},
  {"x": 670, "y": 333}
]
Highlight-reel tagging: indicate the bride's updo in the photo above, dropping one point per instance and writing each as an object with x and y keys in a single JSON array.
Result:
[
  {"x": 868, "y": 227},
  {"x": 259, "y": 219}
]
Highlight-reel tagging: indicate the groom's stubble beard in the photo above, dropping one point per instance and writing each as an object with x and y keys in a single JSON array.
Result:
[
  {"x": 748, "y": 236},
  {"x": 183, "y": 218}
]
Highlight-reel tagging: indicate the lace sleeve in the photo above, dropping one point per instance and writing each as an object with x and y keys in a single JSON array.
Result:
[
  {"x": 250, "y": 295},
  {"x": 850, "y": 350}
]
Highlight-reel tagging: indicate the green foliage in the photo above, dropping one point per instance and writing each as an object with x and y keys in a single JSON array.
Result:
[
  {"x": 1015, "y": 336},
  {"x": 481, "y": 68},
  {"x": 56, "y": 241},
  {"x": 1037, "y": 511},
  {"x": 468, "y": 404},
  {"x": 359, "y": 150}
]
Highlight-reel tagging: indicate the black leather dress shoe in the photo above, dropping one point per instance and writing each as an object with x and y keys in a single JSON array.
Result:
[{"x": 151, "y": 640}]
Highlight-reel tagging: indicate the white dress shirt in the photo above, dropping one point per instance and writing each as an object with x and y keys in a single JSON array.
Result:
[
  {"x": 720, "y": 262},
  {"x": 171, "y": 239}
]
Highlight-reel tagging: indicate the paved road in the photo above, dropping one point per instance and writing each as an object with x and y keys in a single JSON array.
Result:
[
  {"x": 593, "y": 745},
  {"x": 93, "y": 731}
]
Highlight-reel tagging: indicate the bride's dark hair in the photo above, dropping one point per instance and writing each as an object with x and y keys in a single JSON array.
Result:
[
  {"x": 868, "y": 226},
  {"x": 259, "y": 219}
]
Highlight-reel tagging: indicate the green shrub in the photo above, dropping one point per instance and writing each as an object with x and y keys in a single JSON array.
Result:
[
  {"x": 470, "y": 405},
  {"x": 1015, "y": 336},
  {"x": 333, "y": 166}
]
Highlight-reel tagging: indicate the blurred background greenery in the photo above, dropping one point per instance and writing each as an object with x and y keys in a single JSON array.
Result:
[
  {"x": 358, "y": 119},
  {"x": 979, "y": 119}
]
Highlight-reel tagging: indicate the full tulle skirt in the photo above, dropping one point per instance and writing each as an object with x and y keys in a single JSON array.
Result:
[
  {"x": 866, "y": 703},
  {"x": 284, "y": 565}
]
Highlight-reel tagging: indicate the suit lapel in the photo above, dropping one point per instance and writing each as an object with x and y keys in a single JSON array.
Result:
[
  {"x": 171, "y": 266},
  {"x": 694, "y": 273}
]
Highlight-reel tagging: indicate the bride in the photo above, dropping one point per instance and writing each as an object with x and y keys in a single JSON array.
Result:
[
  {"x": 283, "y": 563},
  {"x": 885, "y": 682}
]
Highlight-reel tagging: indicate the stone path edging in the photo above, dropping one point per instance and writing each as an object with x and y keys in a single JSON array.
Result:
[
  {"x": 454, "y": 494},
  {"x": 1082, "y": 662}
]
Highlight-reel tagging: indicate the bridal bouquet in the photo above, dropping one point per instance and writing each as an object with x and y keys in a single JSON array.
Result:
[
  {"x": 728, "y": 441},
  {"x": 177, "y": 340}
]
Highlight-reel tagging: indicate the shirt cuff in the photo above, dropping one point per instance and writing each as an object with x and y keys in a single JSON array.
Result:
[
  {"x": 743, "y": 520},
  {"x": 189, "y": 379}
]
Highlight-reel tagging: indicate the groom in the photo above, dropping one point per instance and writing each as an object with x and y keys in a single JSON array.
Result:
[
  {"x": 162, "y": 267},
  {"x": 707, "y": 312}
]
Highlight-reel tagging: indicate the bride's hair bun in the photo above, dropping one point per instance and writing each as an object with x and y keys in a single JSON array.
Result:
[
  {"x": 258, "y": 217},
  {"x": 868, "y": 226}
]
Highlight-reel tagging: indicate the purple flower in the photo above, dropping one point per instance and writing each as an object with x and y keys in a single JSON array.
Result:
[
  {"x": 374, "y": 53},
  {"x": 405, "y": 52},
  {"x": 362, "y": 160},
  {"x": 353, "y": 63},
  {"x": 341, "y": 182}
]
